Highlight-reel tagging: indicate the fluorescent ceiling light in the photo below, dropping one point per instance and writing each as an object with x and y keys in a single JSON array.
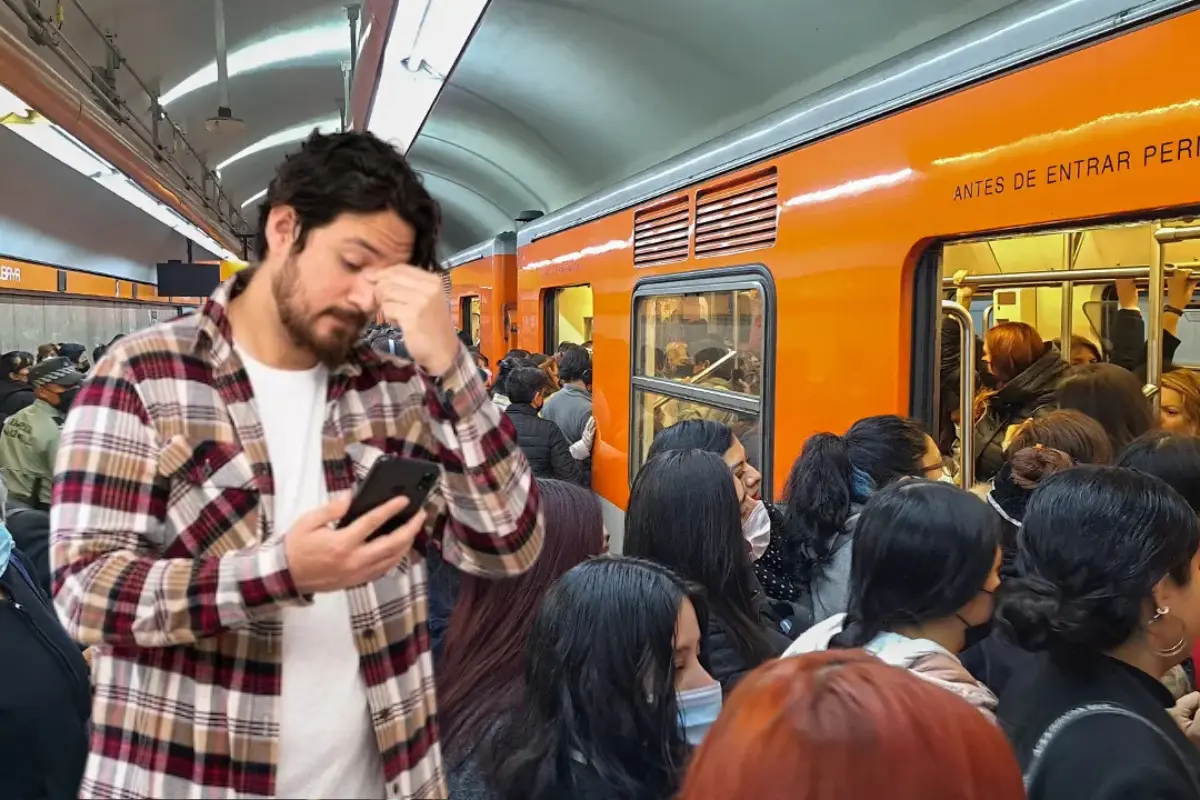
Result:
[
  {"x": 296, "y": 133},
  {"x": 18, "y": 117},
  {"x": 426, "y": 39},
  {"x": 286, "y": 48},
  {"x": 255, "y": 198}
]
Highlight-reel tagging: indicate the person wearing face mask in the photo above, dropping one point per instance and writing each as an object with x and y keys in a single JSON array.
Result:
[
  {"x": 684, "y": 513},
  {"x": 29, "y": 439},
  {"x": 15, "y": 391},
  {"x": 825, "y": 492},
  {"x": 615, "y": 693},
  {"x": 762, "y": 523},
  {"x": 926, "y": 562}
]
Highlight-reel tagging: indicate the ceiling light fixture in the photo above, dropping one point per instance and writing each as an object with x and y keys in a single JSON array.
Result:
[
  {"x": 296, "y": 133},
  {"x": 255, "y": 198},
  {"x": 18, "y": 117},
  {"x": 426, "y": 41}
]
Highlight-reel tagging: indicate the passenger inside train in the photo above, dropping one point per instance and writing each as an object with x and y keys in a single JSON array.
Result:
[{"x": 814, "y": 461}]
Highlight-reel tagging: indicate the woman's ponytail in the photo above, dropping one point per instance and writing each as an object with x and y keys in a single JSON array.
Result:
[{"x": 819, "y": 491}]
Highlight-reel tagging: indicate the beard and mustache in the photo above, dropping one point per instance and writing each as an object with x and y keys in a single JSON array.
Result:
[{"x": 301, "y": 323}]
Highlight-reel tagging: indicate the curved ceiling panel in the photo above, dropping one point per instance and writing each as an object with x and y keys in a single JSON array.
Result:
[{"x": 557, "y": 99}]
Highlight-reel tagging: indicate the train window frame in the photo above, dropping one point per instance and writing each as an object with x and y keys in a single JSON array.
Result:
[
  {"x": 725, "y": 279},
  {"x": 924, "y": 388},
  {"x": 550, "y": 313}
]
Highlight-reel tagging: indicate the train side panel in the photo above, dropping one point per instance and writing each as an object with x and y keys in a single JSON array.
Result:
[
  {"x": 493, "y": 280},
  {"x": 1097, "y": 133}
]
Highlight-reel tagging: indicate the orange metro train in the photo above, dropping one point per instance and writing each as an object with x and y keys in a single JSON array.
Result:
[{"x": 1044, "y": 142}]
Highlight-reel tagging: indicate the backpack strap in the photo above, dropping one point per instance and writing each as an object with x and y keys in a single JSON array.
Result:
[{"x": 1033, "y": 772}]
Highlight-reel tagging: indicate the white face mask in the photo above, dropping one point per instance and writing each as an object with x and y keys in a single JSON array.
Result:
[
  {"x": 698, "y": 710},
  {"x": 947, "y": 478},
  {"x": 757, "y": 530}
]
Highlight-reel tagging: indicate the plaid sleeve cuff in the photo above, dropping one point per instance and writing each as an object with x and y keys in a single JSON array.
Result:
[
  {"x": 459, "y": 393},
  {"x": 264, "y": 581}
]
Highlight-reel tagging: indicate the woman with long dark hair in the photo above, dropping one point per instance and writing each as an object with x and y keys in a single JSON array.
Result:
[
  {"x": 826, "y": 489},
  {"x": 1108, "y": 597},
  {"x": 479, "y": 681},
  {"x": 762, "y": 523},
  {"x": 613, "y": 690},
  {"x": 684, "y": 514},
  {"x": 926, "y": 557}
]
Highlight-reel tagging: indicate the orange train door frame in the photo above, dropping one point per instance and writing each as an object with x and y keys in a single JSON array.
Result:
[{"x": 487, "y": 271}]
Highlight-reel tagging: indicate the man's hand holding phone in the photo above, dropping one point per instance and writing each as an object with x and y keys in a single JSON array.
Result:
[{"x": 322, "y": 558}]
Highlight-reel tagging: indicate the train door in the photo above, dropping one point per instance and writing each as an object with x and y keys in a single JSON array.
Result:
[{"x": 1069, "y": 286}]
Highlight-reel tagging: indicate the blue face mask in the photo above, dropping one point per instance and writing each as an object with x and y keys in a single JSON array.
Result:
[
  {"x": 6, "y": 547},
  {"x": 698, "y": 710}
]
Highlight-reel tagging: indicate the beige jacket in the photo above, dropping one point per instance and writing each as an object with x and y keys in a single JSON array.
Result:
[{"x": 925, "y": 659}]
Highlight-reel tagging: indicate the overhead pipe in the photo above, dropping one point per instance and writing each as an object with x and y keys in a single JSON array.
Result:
[
  {"x": 61, "y": 102},
  {"x": 223, "y": 108},
  {"x": 352, "y": 14}
]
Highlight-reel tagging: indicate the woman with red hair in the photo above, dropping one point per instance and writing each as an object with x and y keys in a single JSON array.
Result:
[
  {"x": 843, "y": 725},
  {"x": 1025, "y": 373}
]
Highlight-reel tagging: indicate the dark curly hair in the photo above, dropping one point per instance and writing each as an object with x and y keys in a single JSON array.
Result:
[{"x": 356, "y": 172}]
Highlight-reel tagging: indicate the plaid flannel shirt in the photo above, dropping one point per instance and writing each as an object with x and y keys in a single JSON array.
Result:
[{"x": 166, "y": 560}]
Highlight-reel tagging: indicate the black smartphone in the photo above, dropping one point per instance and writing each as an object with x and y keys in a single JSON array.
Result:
[{"x": 389, "y": 477}]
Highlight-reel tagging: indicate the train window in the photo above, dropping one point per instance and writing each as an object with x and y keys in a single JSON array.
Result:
[
  {"x": 569, "y": 312},
  {"x": 704, "y": 338},
  {"x": 470, "y": 309},
  {"x": 701, "y": 350}
]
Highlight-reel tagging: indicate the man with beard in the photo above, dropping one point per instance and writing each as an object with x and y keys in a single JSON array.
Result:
[{"x": 247, "y": 647}]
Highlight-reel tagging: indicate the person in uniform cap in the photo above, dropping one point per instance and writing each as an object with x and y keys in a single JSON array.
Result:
[{"x": 29, "y": 440}]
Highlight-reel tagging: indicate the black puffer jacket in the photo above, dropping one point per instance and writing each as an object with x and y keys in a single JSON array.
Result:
[
  {"x": 719, "y": 650},
  {"x": 1014, "y": 403},
  {"x": 545, "y": 447},
  {"x": 14, "y": 395},
  {"x": 1129, "y": 343},
  {"x": 45, "y": 696}
]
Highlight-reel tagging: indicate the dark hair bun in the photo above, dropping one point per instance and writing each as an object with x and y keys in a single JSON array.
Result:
[
  {"x": 1031, "y": 464},
  {"x": 1035, "y": 614}
]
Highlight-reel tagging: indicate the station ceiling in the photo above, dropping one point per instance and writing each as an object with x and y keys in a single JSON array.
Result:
[
  {"x": 551, "y": 101},
  {"x": 554, "y": 100}
]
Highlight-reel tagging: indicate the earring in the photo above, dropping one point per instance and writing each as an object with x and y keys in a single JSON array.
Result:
[{"x": 1160, "y": 614}]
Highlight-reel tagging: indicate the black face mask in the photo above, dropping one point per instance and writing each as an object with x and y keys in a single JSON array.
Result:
[
  {"x": 66, "y": 399},
  {"x": 977, "y": 633}
]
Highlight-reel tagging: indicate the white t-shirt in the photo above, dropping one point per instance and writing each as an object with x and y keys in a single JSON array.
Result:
[{"x": 327, "y": 744}]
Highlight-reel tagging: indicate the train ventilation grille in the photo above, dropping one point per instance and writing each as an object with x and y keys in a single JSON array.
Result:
[
  {"x": 660, "y": 233},
  {"x": 739, "y": 216}
]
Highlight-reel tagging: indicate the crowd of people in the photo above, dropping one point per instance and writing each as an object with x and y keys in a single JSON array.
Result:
[{"x": 215, "y": 631}]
